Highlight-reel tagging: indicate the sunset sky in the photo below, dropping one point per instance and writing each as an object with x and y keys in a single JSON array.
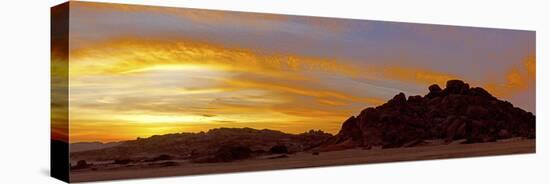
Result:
[{"x": 137, "y": 71}]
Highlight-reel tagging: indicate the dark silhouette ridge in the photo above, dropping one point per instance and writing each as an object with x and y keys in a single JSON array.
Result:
[
  {"x": 85, "y": 146},
  {"x": 455, "y": 113},
  {"x": 216, "y": 145}
]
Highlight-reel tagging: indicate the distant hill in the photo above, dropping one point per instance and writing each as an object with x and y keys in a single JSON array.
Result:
[
  {"x": 216, "y": 145},
  {"x": 86, "y": 146},
  {"x": 458, "y": 112}
]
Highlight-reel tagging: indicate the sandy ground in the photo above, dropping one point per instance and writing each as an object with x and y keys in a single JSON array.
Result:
[{"x": 300, "y": 160}]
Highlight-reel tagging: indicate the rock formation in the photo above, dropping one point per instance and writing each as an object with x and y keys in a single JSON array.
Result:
[{"x": 454, "y": 113}]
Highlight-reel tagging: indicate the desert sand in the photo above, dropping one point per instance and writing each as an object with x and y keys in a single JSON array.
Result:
[{"x": 307, "y": 159}]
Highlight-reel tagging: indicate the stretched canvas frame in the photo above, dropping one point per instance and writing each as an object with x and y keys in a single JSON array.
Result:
[{"x": 145, "y": 91}]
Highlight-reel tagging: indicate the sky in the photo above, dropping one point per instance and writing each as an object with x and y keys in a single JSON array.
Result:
[{"x": 138, "y": 71}]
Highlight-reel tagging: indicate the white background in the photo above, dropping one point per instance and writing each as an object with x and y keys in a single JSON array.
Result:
[{"x": 24, "y": 91}]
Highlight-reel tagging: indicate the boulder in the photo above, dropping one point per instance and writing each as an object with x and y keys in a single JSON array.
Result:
[
  {"x": 434, "y": 88},
  {"x": 435, "y": 91},
  {"x": 456, "y": 86},
  {"x": 398, "y": 99},
  {"x": 415, "y": 99},
  {"x": 456, "y": 129}
]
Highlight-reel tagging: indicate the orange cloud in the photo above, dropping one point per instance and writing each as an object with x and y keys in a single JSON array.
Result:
[
  {"x": 530, "y": 65},
  {"x": 332, "y": 102},
  {"x": 321, "y": 94},
  {"x": 126, "y": 56},
  {"x": 517, "y": 79}
]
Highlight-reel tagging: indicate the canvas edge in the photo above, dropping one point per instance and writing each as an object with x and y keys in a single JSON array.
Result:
[{"x": 59, "y": 55}]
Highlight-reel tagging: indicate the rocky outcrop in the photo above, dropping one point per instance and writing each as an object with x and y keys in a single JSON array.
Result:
[
  {"x": 87, "y": 146},
  {"x": 454, "y": 113}
]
